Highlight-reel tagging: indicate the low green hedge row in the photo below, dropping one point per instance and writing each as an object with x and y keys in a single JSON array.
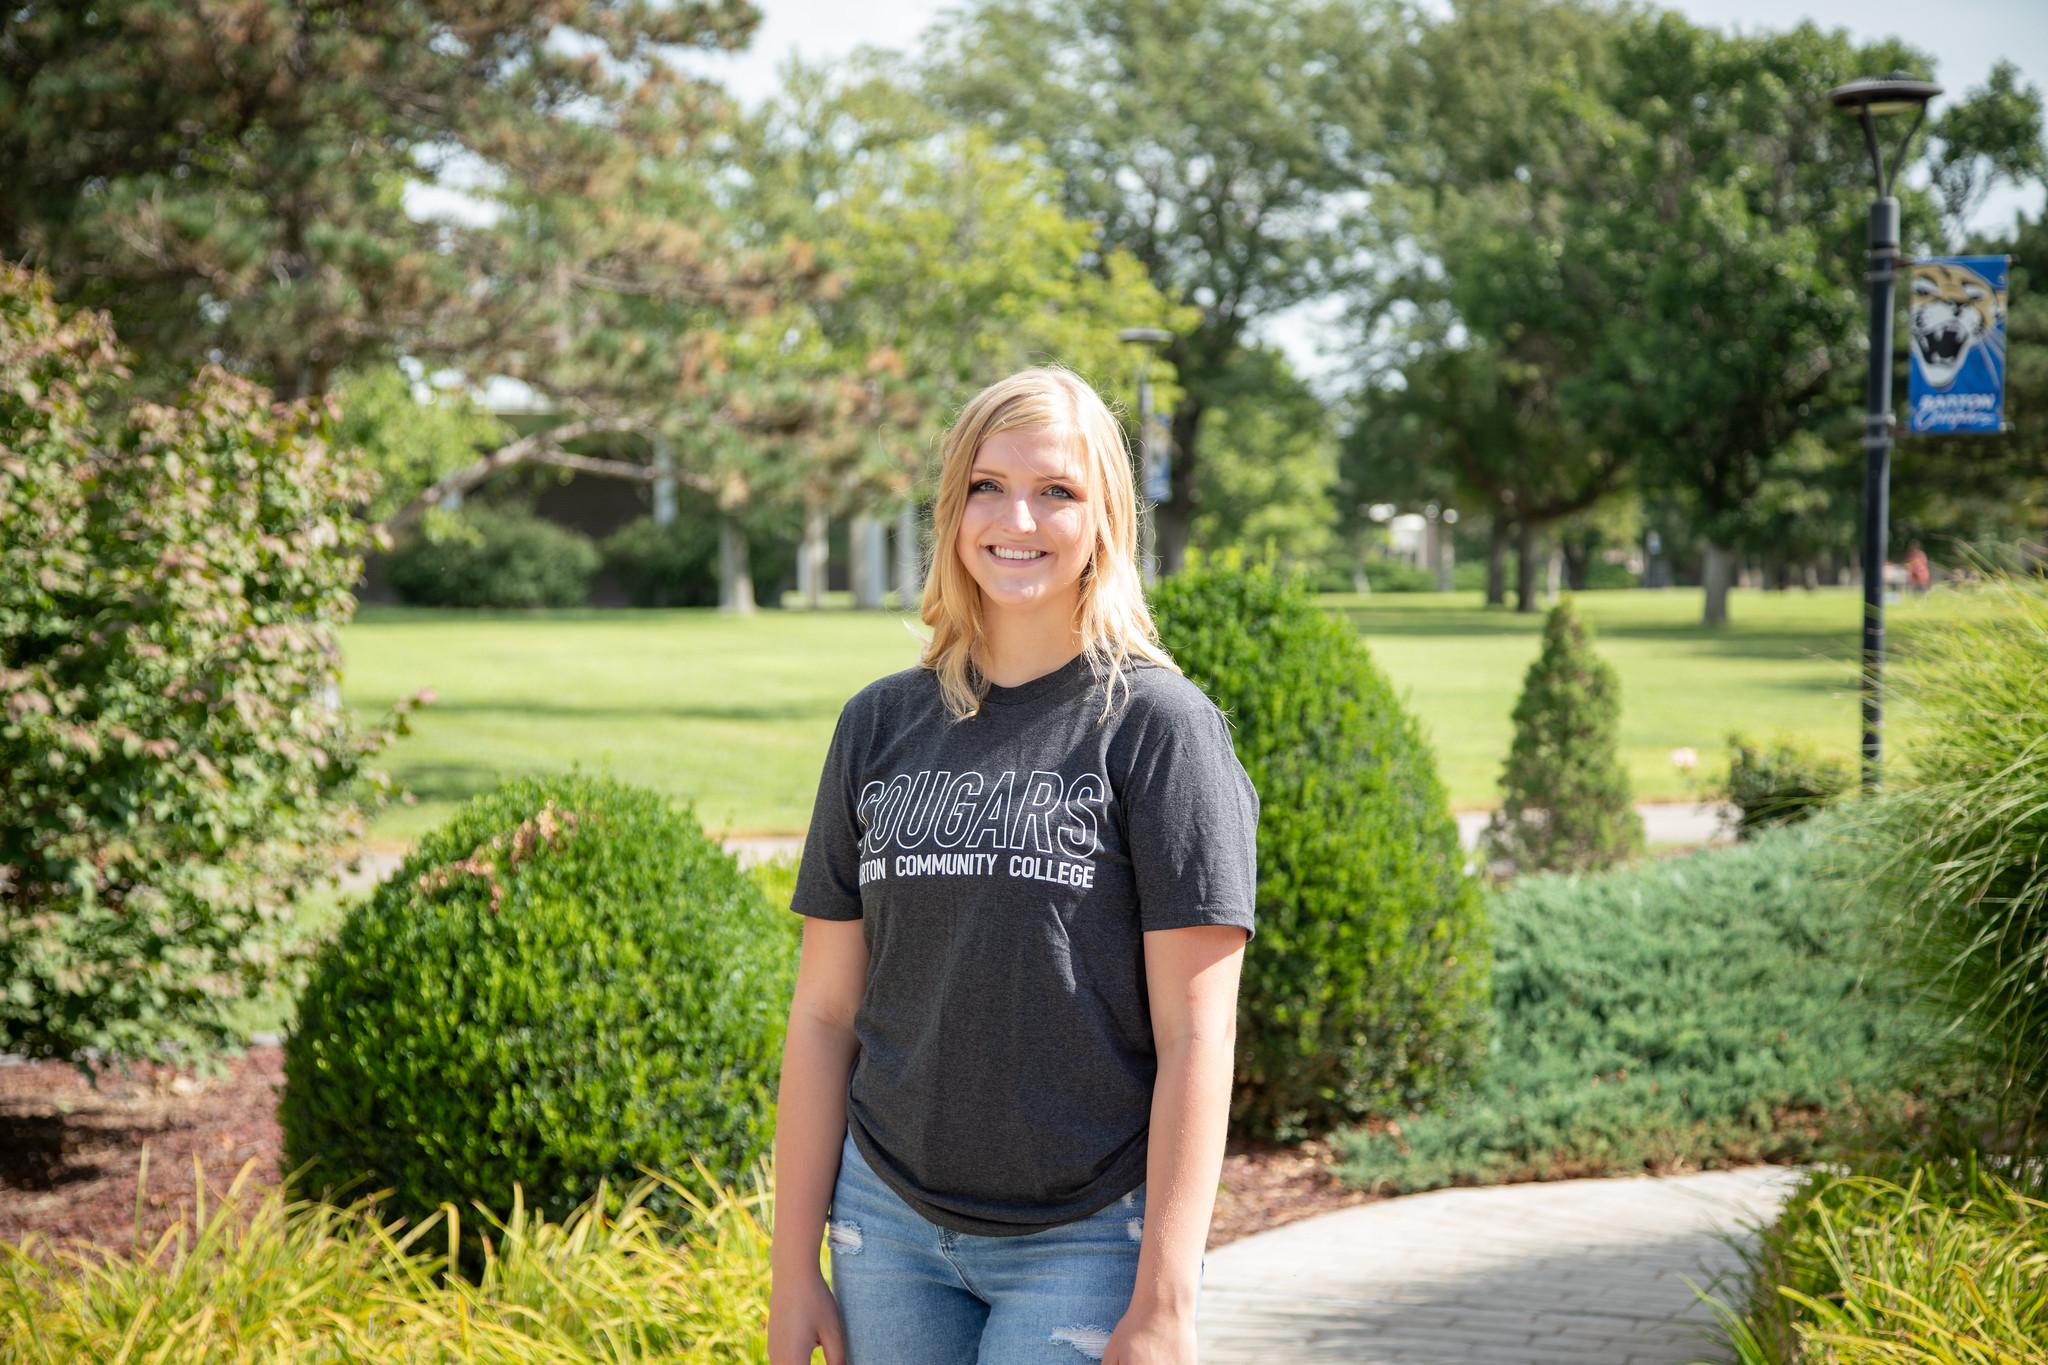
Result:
[{"x": 1693, "y": 1011}]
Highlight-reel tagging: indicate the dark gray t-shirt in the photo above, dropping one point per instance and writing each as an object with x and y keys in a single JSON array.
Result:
[{"x": 1005, "y": 868}]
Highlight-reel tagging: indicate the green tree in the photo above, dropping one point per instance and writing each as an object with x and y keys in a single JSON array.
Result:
[
  {"x": 1990, "y": 136},
  {"x": 228, "y": 179},
  {"x": 1653, "y": 232},
  {"x": 1221, "y": 143},
  {"x": 952, "y": 262},
  {"x": 627, "y": 290},
  {"x": 1494, "y": 131},
  {"x": 1565, "y": 797},
  {"x": 1268, "y": 466},
  {"x": 411, "y": 440}
]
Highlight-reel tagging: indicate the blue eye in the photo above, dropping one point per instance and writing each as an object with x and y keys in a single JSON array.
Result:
[
  {"x": 1062, "y": 491},
  {"x": 980, "y": 484}
]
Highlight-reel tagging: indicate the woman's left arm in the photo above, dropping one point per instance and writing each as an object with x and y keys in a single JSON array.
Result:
[{"x": 1191, "y": 977}]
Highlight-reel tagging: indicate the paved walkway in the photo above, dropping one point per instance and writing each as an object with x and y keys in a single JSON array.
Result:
[{"x": 1573, "y": 1272}]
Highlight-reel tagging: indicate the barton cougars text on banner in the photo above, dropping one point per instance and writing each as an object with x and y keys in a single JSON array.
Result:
[{"x": 1956, "y": 316}]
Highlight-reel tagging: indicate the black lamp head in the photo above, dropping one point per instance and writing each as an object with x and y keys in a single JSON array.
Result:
[{"x": 1880, "y": 95}]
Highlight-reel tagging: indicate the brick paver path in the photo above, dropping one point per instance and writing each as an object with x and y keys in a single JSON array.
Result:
[{"x": 1573, "y": 1272}]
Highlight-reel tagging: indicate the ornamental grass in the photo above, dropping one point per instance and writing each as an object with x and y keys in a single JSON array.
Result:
[{"x": 251, "y": 1276}]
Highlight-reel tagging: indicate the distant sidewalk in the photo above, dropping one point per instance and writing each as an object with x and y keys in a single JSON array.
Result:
[
  {"x": 1679, "y": 822},
  {"x": 1684, "y": 822}
]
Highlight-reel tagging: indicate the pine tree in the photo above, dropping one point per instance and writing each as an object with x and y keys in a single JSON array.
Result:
[
  {"x": 1566, "y": 803},
  {"x": 229, "y": 180}
]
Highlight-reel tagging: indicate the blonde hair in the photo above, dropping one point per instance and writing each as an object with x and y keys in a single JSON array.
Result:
[{"x": 1111, "y": 616}]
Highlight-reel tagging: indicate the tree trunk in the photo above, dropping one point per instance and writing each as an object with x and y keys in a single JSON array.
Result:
[
  {"x": 1527, "y": 540},
  {"x": 664, "y": 482},
  {"x": 1497, "y": 562},
  {"x": 1446, "y": 554},
  {"x": 1175, "y": 517},
  {"x": 1578, "y": 558},
  {"x": 735, "y": 577},
  {"x": 909, "y": 560},
  {"x": 814, "y": 557},
  {"x": 1717, "y": 569},
  {"x": 867, "y": 545}
]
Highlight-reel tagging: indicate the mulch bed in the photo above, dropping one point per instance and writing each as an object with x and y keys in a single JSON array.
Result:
[{"x": 70, "y": 1156}]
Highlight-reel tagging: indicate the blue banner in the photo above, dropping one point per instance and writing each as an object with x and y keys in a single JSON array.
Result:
[
  {"x": 1956, "y": 318},
  {"x": 1159, "y": 478}
]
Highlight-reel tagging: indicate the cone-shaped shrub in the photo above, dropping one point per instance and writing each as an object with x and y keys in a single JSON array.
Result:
[
  {"x": 565, "y": 982},
  {"x": 1366, "y": 989},
  {"x": 1565, "y": 797}
]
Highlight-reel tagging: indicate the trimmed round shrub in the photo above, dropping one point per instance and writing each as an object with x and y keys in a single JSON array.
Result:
[
  {"x": 1367, "y": 989},
  {"x": 567, "y": 981},
  {"x": 495, "y": 557}
]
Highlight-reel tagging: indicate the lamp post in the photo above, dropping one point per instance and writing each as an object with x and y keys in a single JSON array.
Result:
[
  {"x": 1869, "y": 99},
  {"x": 1148, "y": 528}
]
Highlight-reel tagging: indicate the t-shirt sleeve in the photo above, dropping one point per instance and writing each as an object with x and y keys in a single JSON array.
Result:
[
  {"x": 1192, "y": 817},
  {"x": 828, "y": 873}
]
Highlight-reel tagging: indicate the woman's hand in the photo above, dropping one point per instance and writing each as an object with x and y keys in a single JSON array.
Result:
[
  {"x": 803, "y": 1316},
  {"x": 1152, "y": 1336}
]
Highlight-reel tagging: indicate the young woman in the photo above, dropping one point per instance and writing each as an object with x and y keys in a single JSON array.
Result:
[{"x": 1028, "y": 882}]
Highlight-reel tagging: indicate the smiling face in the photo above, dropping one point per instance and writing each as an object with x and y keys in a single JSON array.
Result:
[{"x": 1028, "y": 527}]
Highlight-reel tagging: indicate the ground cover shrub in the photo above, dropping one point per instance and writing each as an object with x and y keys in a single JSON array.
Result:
[
  {"x": 1780, "y": 782},
  {"x": 1366, "y": 990},
  {"x": 566, "y": 982},
  {"x": 1900, "y": 1261},
  {"x": 173, "y": 769},
  {"x": 1690, "y": 1011},
  {"x": 493, "y": 557},
  {"x": 278, "y": 1277},
  {"x": 1565, "y": 803}
]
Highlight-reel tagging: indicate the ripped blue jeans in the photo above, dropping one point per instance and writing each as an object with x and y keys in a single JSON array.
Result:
[{"x": 913, "y": 1293}]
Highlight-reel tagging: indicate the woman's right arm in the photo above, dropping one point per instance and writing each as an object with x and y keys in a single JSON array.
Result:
[{"x": 810, "y": 1125}]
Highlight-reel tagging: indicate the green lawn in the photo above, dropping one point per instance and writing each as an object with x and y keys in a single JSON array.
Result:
[{"x": 736, "y": 714}]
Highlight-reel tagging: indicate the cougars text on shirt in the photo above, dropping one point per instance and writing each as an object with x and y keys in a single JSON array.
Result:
[{"x": 970, "y": 824}]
